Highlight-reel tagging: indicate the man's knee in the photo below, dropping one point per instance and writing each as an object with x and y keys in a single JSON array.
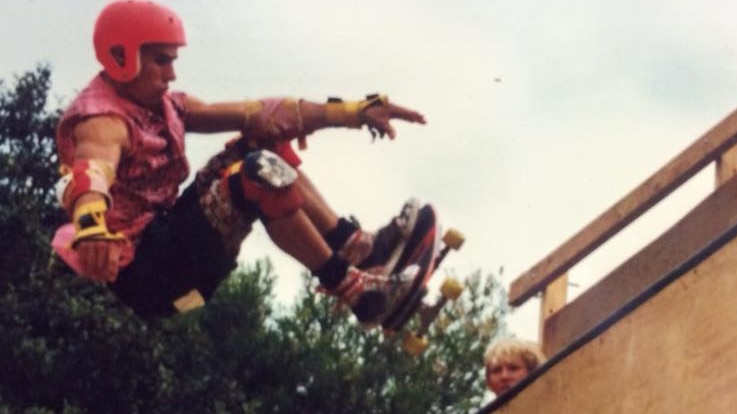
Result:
[{"x": 263, "y": 183}]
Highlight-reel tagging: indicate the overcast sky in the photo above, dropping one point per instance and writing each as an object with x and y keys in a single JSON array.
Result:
[{"x": 540, "y": 114}]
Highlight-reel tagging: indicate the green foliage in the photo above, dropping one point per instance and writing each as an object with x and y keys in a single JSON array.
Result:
[
  {"x": 27, "y": 173},
  {"x": 340, "y": 368},
  {"x": 68, "y": 346},
  {"x": 69, "y": 343}
]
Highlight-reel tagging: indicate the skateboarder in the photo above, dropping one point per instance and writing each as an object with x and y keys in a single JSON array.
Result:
[{"x": 121, "y": 149}]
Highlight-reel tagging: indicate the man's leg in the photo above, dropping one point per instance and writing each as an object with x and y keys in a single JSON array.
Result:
[
  {"x": 364, "y": 249},
  {"x": 265, "y": 186},
  {"x": 317, "y": 209},
  {"x": 233, "y": 196},
  {"x": 343, "y": 235},
  {"x": 361, "y": 248}
]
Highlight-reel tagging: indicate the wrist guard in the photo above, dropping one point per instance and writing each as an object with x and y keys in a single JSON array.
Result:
[
  {"x": 350, "y": 113},
  {"x": 89, "y": 223}
]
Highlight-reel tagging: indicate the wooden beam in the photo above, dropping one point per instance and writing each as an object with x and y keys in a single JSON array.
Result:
[
  {"x": 699, "y": 154},
  {"x": 726, "y": 166},
  {"x": 701, "y": 225}
]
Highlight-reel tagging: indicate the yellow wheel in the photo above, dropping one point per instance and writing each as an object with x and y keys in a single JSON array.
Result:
[
  {"x": 451, "y": 288},
  {"x": 414, "y": 344},
  {"x": 453, "y": 238}
]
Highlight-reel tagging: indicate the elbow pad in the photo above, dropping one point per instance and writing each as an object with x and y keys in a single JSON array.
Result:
[{"x": 85, "y": 176}]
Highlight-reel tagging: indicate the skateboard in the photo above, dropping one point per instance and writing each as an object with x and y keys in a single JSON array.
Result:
[{"x": 422, "y": 253}]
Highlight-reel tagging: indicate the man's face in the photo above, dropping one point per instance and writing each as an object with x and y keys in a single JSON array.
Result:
[
  {"x": 503, "y": 375},
  {"x": 157, "y": 70}
]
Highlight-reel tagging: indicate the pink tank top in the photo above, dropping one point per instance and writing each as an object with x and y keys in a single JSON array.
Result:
[{"x": 151, "y": 168}]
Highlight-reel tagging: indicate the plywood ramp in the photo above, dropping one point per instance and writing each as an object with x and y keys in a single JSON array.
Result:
[
  {"x": 713, "y": 216},
  {"x": 672, "y": 352}
]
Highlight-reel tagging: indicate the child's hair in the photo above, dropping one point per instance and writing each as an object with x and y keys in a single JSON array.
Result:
[{"x": 507, "y": 347}]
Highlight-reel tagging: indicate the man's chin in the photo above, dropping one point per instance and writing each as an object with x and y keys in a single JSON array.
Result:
[{"x": 153, "y": 103}]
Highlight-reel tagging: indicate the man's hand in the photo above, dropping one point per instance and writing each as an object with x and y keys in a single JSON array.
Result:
[
  {"x": 98, "y": 249},
  {"x": 99, "y": 259},
  {"x": 378, "y": 117}
]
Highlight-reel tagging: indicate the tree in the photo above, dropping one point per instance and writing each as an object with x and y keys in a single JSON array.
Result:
[
  {"x": 27, "y": 173},
  {"x": 69, "y": 346},
  {"x": 336, "y": 367}
]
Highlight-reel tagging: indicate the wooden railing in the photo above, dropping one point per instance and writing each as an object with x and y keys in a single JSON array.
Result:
[{"x": 549, "y": 276}]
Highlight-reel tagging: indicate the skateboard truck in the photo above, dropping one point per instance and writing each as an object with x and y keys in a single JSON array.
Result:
[{"x": 416, "y": 342}]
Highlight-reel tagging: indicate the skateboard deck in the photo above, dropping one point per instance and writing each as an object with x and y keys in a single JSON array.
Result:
[{"x": 423, "y": 252}]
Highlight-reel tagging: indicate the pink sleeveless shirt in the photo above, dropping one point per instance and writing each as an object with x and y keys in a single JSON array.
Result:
[{"x": 150, "y": 169}]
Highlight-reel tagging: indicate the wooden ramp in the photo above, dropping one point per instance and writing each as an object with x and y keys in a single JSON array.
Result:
[{"x": 659, "y": 333}]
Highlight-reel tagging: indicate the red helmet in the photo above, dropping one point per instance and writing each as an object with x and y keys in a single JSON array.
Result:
[{"x": 128, "y": 24}]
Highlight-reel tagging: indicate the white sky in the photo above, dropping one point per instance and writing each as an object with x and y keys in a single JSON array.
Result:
[{"x": 541, "y": 114}]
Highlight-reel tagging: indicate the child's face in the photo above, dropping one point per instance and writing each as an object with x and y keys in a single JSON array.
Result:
[{"x": 507, "y": 372}]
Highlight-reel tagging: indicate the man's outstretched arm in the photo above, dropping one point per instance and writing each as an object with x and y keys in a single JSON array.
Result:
[{"x": 277, "y": 119}]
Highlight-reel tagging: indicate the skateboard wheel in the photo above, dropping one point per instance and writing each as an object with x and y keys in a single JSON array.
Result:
[
  {"x": 414, "y": 345},
  {"x": 453, "y": 238},
  {"x": 451, "y": 288}
]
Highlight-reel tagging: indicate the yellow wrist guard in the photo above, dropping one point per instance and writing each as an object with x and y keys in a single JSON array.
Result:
[
  {"x": 350, "y": 114},
  {"x": 89, "y": 223}
]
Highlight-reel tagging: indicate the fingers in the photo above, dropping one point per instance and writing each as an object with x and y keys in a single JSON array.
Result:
[
  {"x": 381, "y": 128},
  {"x": 406, "y": 114},
  {"x": 389, "y": 130},
  {"x": 378, "y": 118},
  {"x": 99, "y": 259}
]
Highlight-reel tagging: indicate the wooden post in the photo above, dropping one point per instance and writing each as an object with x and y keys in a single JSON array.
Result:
[
  {"x": 554, "y": 297},
  {"x": 726, "y": 166}
]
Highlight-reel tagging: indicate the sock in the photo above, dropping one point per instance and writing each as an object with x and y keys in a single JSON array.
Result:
[
  {"x": 337, "y": 237},
  {"x": 332, "y": 272}
]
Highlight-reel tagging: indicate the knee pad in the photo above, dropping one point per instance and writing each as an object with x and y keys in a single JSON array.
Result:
[{"x": 263, "y": 183}]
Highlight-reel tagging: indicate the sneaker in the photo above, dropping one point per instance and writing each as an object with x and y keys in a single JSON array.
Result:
[
  {"x": 369, "y": 295},
  {"x": 379, "y": 251}
]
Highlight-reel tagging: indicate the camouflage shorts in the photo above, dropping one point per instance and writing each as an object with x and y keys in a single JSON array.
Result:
[{"x": 233, "y": 224}]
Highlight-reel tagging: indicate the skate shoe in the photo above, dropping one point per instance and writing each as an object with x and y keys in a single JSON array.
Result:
[
  {"x": 379, "y": 251},
  {"x": 369, "y": 295}
]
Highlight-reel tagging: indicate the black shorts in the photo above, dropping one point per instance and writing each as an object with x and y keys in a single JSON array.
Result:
[{"x": 179, "y": 251}]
